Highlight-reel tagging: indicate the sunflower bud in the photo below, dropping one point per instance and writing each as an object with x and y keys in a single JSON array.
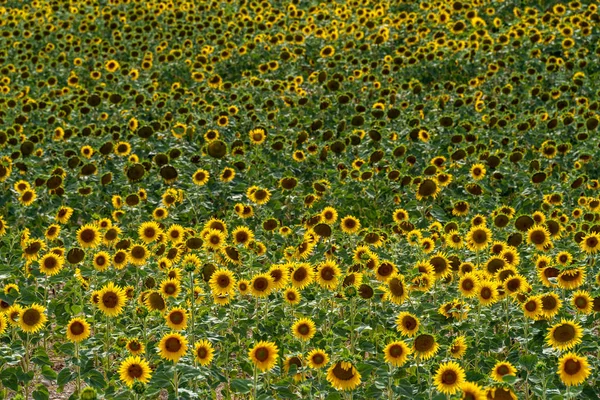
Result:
[
  {"x": 88, "y": 393},
  {"x": 139, "y": 387}
]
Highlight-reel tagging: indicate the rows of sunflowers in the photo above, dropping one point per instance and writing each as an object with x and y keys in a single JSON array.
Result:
[{"x": 285, "y": 199}]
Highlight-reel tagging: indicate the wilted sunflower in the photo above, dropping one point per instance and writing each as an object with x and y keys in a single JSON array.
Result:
[
  {"x": 501, "y": 369},
  {"x": 449, "y": 377},
  {"x": 264, "y": 355},
  {"x": 78, "y": 330},
  {"x": 111, "y": 299},
  {"x": 172, "y": 347},
  {"x": 573, "y": 370},
  {"x": 407, "y": 324},
  {"x": 304, "y": 329},
  {"x": 133, "y": 369},
  {"x": 343, "y": 376},
  {"x": 32, "y": 318},
  {"x": 564, "y": 335},
  {"x": 396, "y": 353}
]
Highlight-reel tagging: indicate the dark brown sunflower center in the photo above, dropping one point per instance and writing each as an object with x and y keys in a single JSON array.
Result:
[
  {"x": 156, "y": 301},
  {"x": 261, "y": 354},
  {"x": 396, "y": 287},
  {"x": 341, "y": 373},
  {"x": 318, "y": 359},
  {"x": 591, "y": 242},
  {"x": 241, "y": 237},
  {"x": 303, "y": 329},
  {"x": 299, "y": 274},
  {"x": 549, "y": 303},
  {"x": 480, "y": 236},
  {"x": 135, "y": 346},
  {"x": 110, "y": 299},
  {"x": 135, "y": 371},
  {"x": 531, "y": 306},
  {"x": 88, "y": 235},
  {"x": 427, "y": 188},
  {"x": 424, "y": 343},
  {"x": 201, "y": 352},
  {"x": 138, "y": 252},
  {"x": 538, "y": 237},
  {"x": 409, "y": 323},
  {"x": 261, "y": 284},
  {"x": 449, "y": 378},
  {"x": 276, "y": 275},
  {"x": 581, "y": 302},
  {"x": 570, "y": 276},
  {"x": 327, "y": 274},
  {"x": 572, "y": 367},
  {"x": 149, "y": 232},
  {"x": 176, "y": 317},
  {"x": 486, "y": 293},
  {"x": 100, "y": 260},
  {"x": 291, "y": 296},
  {"x": 223, "y": 281},
  {"x": 350, "y": 223},
  {"x": 564, "y": 333},
  {"x": 173, "y": 345},
  {"x": 77, "y": 328},
  {"x": 31, "y": 317},
  {"x": 50, "y": 263},
  {"x": 468, "y": 284},
  {"x": 502, "y": 370},
  {"x": 170, "y": 288},
  {"x": 396, "y": 351},
  {"x": 119, "y": 257}
]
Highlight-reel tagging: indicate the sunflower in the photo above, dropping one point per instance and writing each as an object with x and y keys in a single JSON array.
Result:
[
  {"x": 214, "y": 239},
  {"x": 571, "y": 278},
  {"x": 396, "y": 353},
  {"x": 428, "y": 187},
  {"x": 572, "y": 369},
  {"x": 257, "y": 136},
  {"x": 3, "y": 323},
  {"x": 329, "y": 215},
  {"x": 472, "y": 391},
  {"x": 155, "y": 301},
  {"x": 590, "y": 243},
  {"x": 327, "y": 275},
  {"x": 170, "y": 287},
  {"x": 134, "y": 368},
  {"x": 467, "y": 285},
  {"x": 500, "y": 393},
  {"x": 350, "y": 224},
  {"x": 120, "y": 259},
  {"x": 204, "y": 352},
  {"x": 280, "y": 275},
  {"x": 135, "y": 347},
  {"x": 478, "y": 171},
  {"x": 51, "y": 264},
  {"x": 395, "y": 289},
  {"x": 27, "y": 197},
  {"x": 304, "y": 329},
  {"x": 501, "y": 369},
  {"x": 564, "y": 335},
  {"x": 292, "y": 296},
  {"x": 149, "y": 232},
  {"x": 260, "y": 196},
  {"x": 343, "y": 376},
  {"x": 78, "y": 330},
  {"x": 264, "y": 355},
  {"x": 532, "y": 307},
  {"x": 582, "y": 302},
  {"x": 227, "y": 175},
  {"x": 551, "y": 305},
  {"x": 298, "y": 363},
  {"x": 111, "y": 299},
  {"x": 317, "y": 358},
  {"x": 425, "y": 346},
  {"x": 407, "y": 324},
  {"x": 242, "y": 235},
  {"x": 538, "y": 236},
  {"x": 487, "y": 292},
  {"x": 172, "y": 346},
  {"x": 222, "y": 281},
  {"x": 138, "y": 254},
  {"x": 458, "y": 347},
  {"x": 200, "y": 177},
  {"x": 449, "y": 377},
  {"x": 88, "y": 236},
  {"x": 302, "y": 276},
  {"x": 176, "y": 319},
  {"x": 479, "y": 237},
  {"x": 261, "y": 285},
  {"x": 32, "y": 318},
  {"x": 101, "y": 261}
]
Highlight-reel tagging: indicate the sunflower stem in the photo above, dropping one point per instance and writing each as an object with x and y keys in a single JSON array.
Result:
[
  {"x": 78, "y": 368},
  {"x": 255, "y": 381},
  {"x": 106, "y": 349},
  {"x": 390, "y": 392},
  {"x": 176, "y": 381}
]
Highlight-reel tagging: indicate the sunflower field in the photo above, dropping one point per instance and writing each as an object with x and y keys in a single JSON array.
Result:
[{"x": 299, "y": 199}]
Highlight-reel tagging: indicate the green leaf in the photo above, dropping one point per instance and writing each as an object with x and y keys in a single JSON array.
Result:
[
  {"x": 41, "y": 393},
  {"x": 49, "y": 373},
  {"x": 241, "y": 385},
  {"x": 528, "y": 361},
  {"x": 64, "y": 376},
  {"x": 95, "y": 379},
  {"x": 509, "y": 379},
  {"x": 40, "y": 357}
]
